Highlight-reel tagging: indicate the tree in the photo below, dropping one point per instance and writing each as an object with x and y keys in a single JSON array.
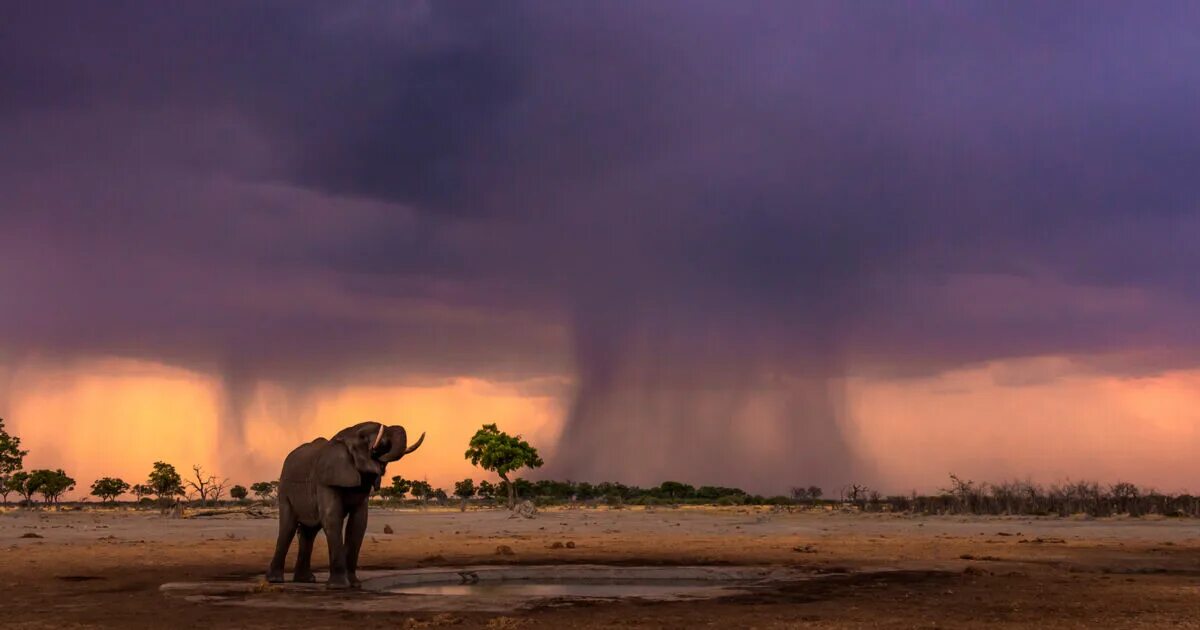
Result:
[
  {"x": 264, "y": 489},
  {"x": 492, "y": 449},
  {"x": 585, "y": 491},
  {"x": 141, "y": 491},
  {"x": 206, "y": 486},
  {"x": 815, "y": 492},
  {"x": 1125, "y": 496},
  {"x": 239, "y": 493},
  {"x": 554, "y": 490},
  {"x": 165, "y": 482},
  {"x": 400, "y": 487},
  {"x": 799, "y": 493},
  {"x": 218, "y": 490},
  {"x": 20, "y": 483},
  {"x": 11, "y": 460},
  {"x": 486, "y": 489},
  {"x": 109, "y": 488},
  {"x": 855, "y": 492},
  {"x": 421, "y": 490},
  {"x": 464, "y": 489},
  {"x": 51, "y": 484},
  {"x": 7, "y": 487},
  {"x": 712, "y": 493},
  {"x": 676, "y": 490}
]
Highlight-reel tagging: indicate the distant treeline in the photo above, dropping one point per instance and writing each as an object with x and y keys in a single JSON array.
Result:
[
  {"x": 1023, "y": 498},
  {"x": 1018, "y": 498},
  {"x": 549, "y": 492},
  {"x": 1031, "y": 499}
]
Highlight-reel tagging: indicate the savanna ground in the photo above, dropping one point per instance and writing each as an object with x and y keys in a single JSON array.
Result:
[{"x": 100, "y": 568}]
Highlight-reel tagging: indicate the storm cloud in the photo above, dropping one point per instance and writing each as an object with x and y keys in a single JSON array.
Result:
[{"x": 707, "y": 214}]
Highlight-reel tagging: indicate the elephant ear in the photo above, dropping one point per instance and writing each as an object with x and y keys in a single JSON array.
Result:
[
  {"x": 360, "y": 440},
  {"x": 335, "y": 466}
]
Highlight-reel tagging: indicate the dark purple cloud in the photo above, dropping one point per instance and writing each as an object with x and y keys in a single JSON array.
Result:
[{"x": 703, "y": 211}]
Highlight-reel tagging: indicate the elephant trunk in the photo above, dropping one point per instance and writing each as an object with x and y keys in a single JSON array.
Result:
[{"x": 397, "y": 442}]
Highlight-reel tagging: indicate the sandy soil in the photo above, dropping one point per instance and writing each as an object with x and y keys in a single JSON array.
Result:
[{"x": 101, "y": 568}]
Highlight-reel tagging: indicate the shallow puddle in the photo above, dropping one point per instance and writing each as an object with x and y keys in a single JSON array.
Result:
[
  {"x": 660, "y": 589},
  {"x": 497, "y": 587}
]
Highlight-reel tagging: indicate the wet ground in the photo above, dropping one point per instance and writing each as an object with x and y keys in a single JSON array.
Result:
[{"x": 104, "y": 568}]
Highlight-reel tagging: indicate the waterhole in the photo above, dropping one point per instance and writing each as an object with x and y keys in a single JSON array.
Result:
[
  {"x": 497, "y": 588},
  {"x": 653, "y": 590}
]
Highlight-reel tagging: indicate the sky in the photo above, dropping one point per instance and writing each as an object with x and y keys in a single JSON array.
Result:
[{"x": 761, "y": 244}]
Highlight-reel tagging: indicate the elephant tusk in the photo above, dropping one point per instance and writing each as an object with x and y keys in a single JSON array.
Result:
[
  {"x": 414, "y": 446},
  {"x": 378, "y": 437}
]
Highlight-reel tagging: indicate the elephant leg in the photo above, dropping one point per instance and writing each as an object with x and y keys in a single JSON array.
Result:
[
  {"x": 303, "y": 572},
  {"x": 355, "y": 530},
  {"x": 332, "y": 521},
  {"x": 287, "y": 531}
]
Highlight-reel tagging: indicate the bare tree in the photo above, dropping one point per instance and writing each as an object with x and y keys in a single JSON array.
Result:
[
  {"x": 218, "y": 489},
  {"x": 855, "y": 493},
  {"x": 207, "y": 487}
]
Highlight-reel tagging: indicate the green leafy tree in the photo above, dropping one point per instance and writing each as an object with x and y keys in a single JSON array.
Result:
[
  {"x": 12, "y": 458},
  {"x": 141, "y": 491},
  {"x": 486, "y": 489},
  {"x": 464, "y": 489},
  {"x": 51, "y": 484},
  {"x": 20, "y": 483},
  {"x": 585, "y": 491},
  {"x": 264, "y": 490},
  {"x": 439, "y": 495},
  {"x": 555, "y": 490},
  {"x": 239, "y": 493},
  {"x": 676, "y": 490},
  {"x": 421, "y": 490},
  {"x": 492, "y": 449},
  {"x": 712, "y": 493},
  {"x": 165, "y": 481},
  {"x": 109, "y": 488},
  {"x": 396, "y": 491}
]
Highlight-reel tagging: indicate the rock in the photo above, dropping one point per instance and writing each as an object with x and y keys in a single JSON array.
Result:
[
  {"x": 556, "y": 545},
  {"x": 570, "y": 544},
  {"x": 804, "y": 549},
  {"x": 387, "y": 529},
  {"x": 31, "y": 535},
  {"x": 504, "y": 550}
]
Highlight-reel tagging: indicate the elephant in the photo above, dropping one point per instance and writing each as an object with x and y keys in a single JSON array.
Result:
[{"x": 326, "y": 482}]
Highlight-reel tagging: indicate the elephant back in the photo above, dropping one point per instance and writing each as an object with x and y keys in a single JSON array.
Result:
[{"x": 300, "y": 464}]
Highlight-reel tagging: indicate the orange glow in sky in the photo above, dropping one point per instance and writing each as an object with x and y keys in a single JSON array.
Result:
[
  {"x": 1037, "y": 418},
  {"x": 117, "y": 417},
  {"x": 1030, "y": 418}
]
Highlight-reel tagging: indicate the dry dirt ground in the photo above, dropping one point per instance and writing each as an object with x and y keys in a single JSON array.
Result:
[{"x": 101, "y": 568}]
